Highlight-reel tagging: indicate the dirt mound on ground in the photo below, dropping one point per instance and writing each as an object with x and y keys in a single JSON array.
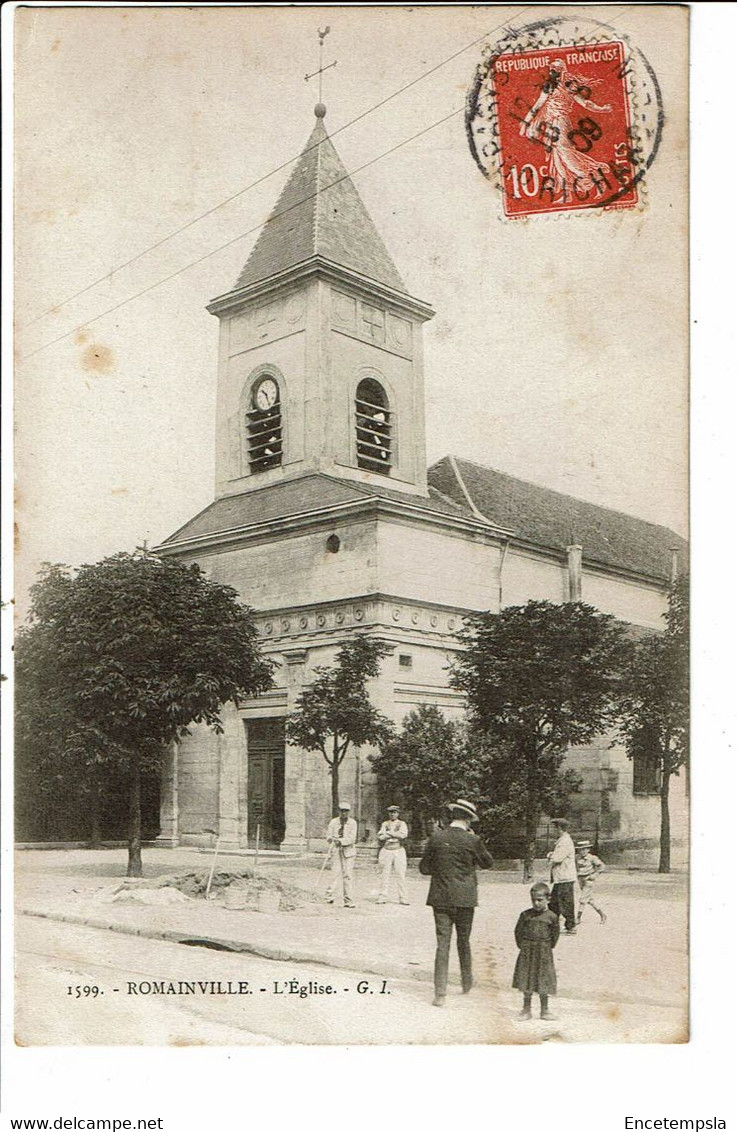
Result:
[{"x": 241, "y": 889}]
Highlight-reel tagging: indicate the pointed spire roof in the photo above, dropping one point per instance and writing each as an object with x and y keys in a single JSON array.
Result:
[{"x": 319, "y": 213}]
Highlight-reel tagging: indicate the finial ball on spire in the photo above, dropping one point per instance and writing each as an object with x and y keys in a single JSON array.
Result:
[{"x": 321, "y": 110}]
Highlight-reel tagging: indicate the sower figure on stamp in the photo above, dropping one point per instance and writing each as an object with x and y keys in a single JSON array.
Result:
[
  {"x": 551, "y": 122},
  {"x": 341, "y": 835},
  {"x": 393, "y": 855},
  {"x": 451, "y": 858},
  {"x": 588, "y": 867},
  {"x": 563, "y": 876}
]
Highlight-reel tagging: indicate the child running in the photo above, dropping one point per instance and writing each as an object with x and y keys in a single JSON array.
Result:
[
  {"x": 536, "y": 933},
  {"x": 588, "y": 868}
]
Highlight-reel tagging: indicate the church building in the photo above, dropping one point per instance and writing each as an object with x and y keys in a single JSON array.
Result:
[{"x": 327, "y": 521}]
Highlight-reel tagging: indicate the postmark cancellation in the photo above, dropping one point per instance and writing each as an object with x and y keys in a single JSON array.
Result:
[{"x": 556, "y": 125}]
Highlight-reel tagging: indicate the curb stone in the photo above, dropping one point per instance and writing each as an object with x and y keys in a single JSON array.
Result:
[{"x": 264, "y": 951}]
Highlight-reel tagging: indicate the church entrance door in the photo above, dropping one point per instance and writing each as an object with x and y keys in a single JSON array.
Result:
[{"x": 265, "y": 739}]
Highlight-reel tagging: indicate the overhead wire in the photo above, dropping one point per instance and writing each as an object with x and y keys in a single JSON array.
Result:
[
  {"x": 114, "y": 270},
  {"x": 240, "y": 236},
  {"x": 259, "y": 180}
]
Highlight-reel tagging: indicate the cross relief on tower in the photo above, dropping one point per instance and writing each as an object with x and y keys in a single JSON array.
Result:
[{"x": 371, "y": 323}]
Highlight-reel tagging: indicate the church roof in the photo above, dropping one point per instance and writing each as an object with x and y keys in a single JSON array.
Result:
[
  {"x": 293, "y": 498},
  {"x": 550, "y": 519},
  {"x": 460, "y": 489},
  {"x": 319, "y": 213}
]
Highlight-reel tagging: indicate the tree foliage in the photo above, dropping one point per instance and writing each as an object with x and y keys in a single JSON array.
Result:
[
  {"x": 434, "y": 760},
  {"x": 540, "y": 678},
  {"x": 655, "y": 702},
  {"x": 425, "y": 766},
  {"x": 120, "y": 658},
  {"x": 335, "y": 710}
]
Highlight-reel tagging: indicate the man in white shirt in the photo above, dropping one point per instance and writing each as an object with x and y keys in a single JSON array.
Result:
[
  {"x": 393, "y": 855},
  {"x": 563, "y": 876},
  {"x": 341, "y": 835}
]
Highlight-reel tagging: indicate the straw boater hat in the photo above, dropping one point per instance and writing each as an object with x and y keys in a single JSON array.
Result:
[
  {"x": 465, "y": 807},
  {"x": 583, "y": 844}
]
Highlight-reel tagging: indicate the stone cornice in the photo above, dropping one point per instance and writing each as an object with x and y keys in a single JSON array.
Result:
[
  {"x": 303, "y": 626},
  {"x": 317, "y": 265},
  {"x": 408, "y": 693}
]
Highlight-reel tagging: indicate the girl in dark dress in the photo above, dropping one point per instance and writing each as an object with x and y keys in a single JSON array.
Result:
[{"x": 536, "y": 933}]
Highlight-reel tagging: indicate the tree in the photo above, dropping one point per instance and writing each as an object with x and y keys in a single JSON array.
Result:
[
  {"x": 434, "y": 760},
  {"x": 335, "y": 710},
  {"x": 540, "y": 678},
  {"x": 655, "y": 703},
  {"x": 119, "y": 658},
  {"x": 426, "y": 765},
  {"x": 502, "y": 795}
]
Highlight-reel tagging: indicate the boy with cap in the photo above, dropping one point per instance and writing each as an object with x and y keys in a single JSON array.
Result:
[
  {"x": 588, "y": 868},
  {"x": 393, "y": 855},
  {"x": 341, "y": 835},
  {"x": 450, "y": 858}
]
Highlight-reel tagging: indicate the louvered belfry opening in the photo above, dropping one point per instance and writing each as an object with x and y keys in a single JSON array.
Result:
[
  {"x": 264, "y": 427},
  {"x": 373, "y": 428}
]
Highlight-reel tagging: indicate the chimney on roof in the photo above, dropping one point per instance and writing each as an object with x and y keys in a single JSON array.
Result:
[
  {"x": 575, "y": 555},
  {"x": 673, "y": 564}
]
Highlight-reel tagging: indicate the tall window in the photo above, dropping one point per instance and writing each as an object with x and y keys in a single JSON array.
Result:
[
  {"x": 264, "y": 426},
  {"x": 645, "y": 774},
  {"x": 373, "y": 427}
]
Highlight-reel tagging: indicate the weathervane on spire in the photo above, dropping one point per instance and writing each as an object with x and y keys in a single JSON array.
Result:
[{"x": 320, "y": 110}]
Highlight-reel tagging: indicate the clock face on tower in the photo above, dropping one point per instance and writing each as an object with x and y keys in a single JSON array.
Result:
[{"x": 266, "y": 393}]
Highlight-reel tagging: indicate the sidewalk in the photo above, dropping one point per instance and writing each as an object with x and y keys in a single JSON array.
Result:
[{"x": 637, "y": 960}]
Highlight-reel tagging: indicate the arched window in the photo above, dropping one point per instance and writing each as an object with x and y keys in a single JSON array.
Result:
[
  {"x": 373, "y": 427},
  {"x": 264, "y": 425}
]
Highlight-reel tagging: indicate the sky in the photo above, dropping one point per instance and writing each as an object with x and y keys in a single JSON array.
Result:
[
  {"x": 126, "y": 134},
  {"x": 559, "y": 349}
]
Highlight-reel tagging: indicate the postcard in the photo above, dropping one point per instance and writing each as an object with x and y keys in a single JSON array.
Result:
[{"x": 351, "y": 411}]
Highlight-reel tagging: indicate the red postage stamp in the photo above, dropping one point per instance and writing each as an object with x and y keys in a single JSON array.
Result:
[{"x": 564, "y": 129}]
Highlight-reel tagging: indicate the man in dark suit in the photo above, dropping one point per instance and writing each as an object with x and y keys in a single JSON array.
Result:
[{"x": 451, "y": 857}]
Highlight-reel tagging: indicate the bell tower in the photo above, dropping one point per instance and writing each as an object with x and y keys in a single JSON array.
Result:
[{"x": 320, "y": 365}]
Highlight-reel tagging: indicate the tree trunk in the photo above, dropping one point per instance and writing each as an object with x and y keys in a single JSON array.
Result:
[
  {"x": 335, "y": 784},
  {"x": 530, "y": 832},
  {"x": 532, "y": 814},
  {"x": 95, "y": 833},
  {"x": 95, "y": 808},
  {"x": 664, "y": 863},
  {"x": 135, "y": 867}
]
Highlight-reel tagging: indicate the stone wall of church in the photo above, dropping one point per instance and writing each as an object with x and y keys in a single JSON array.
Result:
[
  {"x": 630, "y": 601},
  {"x": 213, "y": 770},
  {"x": 438, "y": 566},
  {"x": 528, "y": 577},
  {"x": 198, "y": 771},
  {"x": 299, "y": 569},
  {"x": 411, "y": 584},
  {"x": 625, "y": 824}
]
